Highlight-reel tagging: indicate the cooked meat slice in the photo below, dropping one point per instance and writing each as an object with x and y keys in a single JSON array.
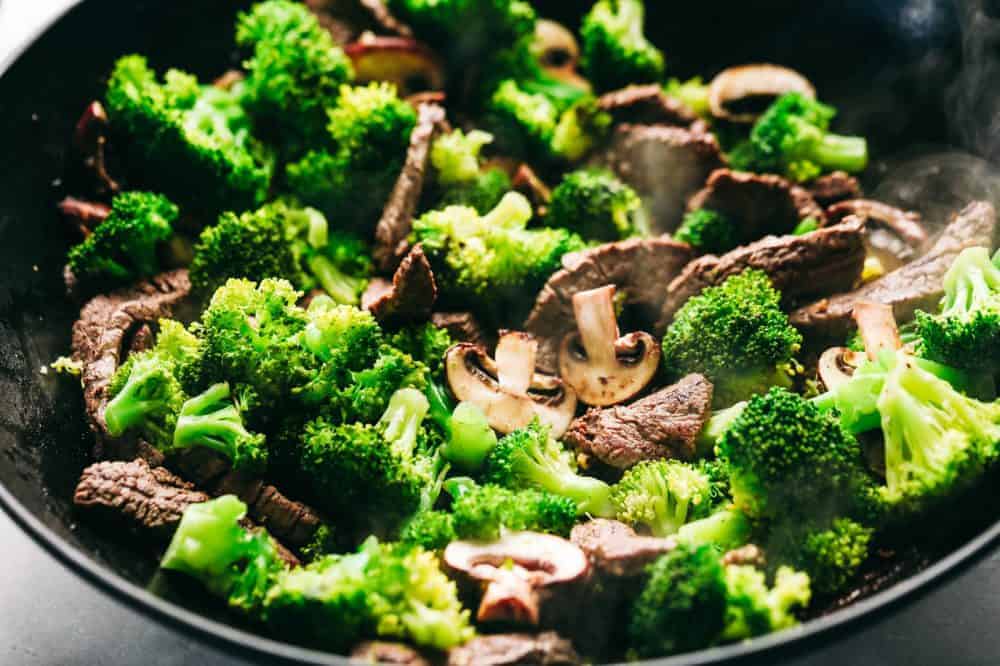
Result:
[
  {"x": 90, "y": 136},
  {"x": 544, "y": 649},
  {"x": 904, "y": 224},
  {"x": 614, "y": 548},
  {"x": 640, "y": 269},
  {"x": 411, "y": 296},
  {"x": 825, "y": 261},
  {"x": 108, "y": 324},
  {"x": 915, "y": 285},
  {"x": 346, "y": 20},
  {"x": 377, "y": 289},
  {"x": 665, "y": 166},
  {"x": 759, "y": 204},
  {"x": 147, "y": 498},
  {"x": 645, "y": 105},
  {"x": 292, "y": 522},
  {"x": 83, "y": 216},
  {"x": 397, "y": 216},
  {"x": 528, "y": 183},
  {"x": 383, "y": 652},
  {"x": 664, "y": 424},
  {"x": 834, "y": 187},
  {"x": 462, "y": 327}
]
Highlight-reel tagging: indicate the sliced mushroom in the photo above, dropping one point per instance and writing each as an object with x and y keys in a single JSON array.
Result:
[
  {"x": 741, "y": 94},
  {"x": 877, "y": 325},
  {"x": 609, "y": 368},
  {"x": 519, "y": 574},
  {"x": 508, "y": 389},
  {"x": 407, "y": 63},
  {"x": 837, "y": 366},
  {"x": 557, "y": 50},
  {"x": 892, "y": 236},
  {"x": 83, "y": 216}
]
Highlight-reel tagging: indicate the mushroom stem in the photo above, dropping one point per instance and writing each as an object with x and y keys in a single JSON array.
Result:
[
  {"x": 877, "y": 325},
  {"x": 595, "y": 318},
  {"x": 515, "y": 360}
]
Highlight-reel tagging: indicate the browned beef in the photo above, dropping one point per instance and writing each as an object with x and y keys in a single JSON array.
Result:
[
  {"x": 916, "y": 285},
  {"x": 146, "y": 498},
  {"x": 614, "y": 548},
  {"x": 759, "y": 204},
  {"x": 397, "y": 216},
  {"x": 544, "y": 649},
  {"x": 825, "y": 261},
  {"x": 664, "y": 424},
  {"x": 833, "y": 187},
  {"x": 639, "y": 268},
  {"x": 410, "y": 297},
  {"x": 83, "y": 216},
  {"x": 665, "y": 165},
  {"x": 461, "y": 326},
  {"x": 907, "y": 225},
  {"x": 383, "y": 652},
  {"x": 106, "y": 328},
  {"x": 90, "y": 137},
  {"x": 645, "y": 105}
]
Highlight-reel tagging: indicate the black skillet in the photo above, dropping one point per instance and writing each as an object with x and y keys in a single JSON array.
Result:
[{"x": 896, "y": 68}]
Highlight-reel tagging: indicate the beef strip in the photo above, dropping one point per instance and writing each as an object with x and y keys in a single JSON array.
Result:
[
  {"x": 833, "y": 187},
  {"x": 383, "y": 652},
  {"x": 461, "y": 326},
  {"x": 394, "y": 227},
  {"x": 639, "y": 268},
  {"x": 290, "y": 521},
  {"x": 90, "y": 136},
  {"x": 665, "y": 165},
  {"x": 544, "y": 649},
  {"x": 107, "y": 326},
  {"x": 758, "y": 204},
  {"x": 83, "y": 216},
  {"x": 915, "y": 285},
  {"x": 410, "y": 297},
  {"x": 906, "y": 225},
  {"x": 664, "y": 424},
  {"x": 616, "y": 550},
  {"x": 822, "y": 262},
  {"x": 645, "y": 105}
]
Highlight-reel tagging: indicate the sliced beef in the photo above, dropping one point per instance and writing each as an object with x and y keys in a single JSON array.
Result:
[
  {"x": 397, "y": 216},
  {"x": 665, "y": 165},
  {"x": 615, "y": 550},
  {"x": 106, "y": 328},
  {"x": 90, "y": 137},
  {"x": 149, "y": 499},
  {"x": 410, "y": 297},
  {"x": 544, "y": 649},
  {"x": 462, "y": 327},
  {"x": 664, "y": 424},
  {"x": 645, "y": 105},
  {"x": 916, "y": 285},
  {"x": 83, "y": 216},
  {"x": 759, "y": 204},
  {"x": 383, "y": 652},
  {"x": 897, "y": 233},
  {"x": 834, "y": 187},
  {"x": 825, "y": 261},
  {"x": 639, "y": 268}
]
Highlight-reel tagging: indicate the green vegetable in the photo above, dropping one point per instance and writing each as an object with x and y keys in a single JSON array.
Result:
[
  {"x": 708, "y": 231},
  {"x": 615, "y": 51},
  {"x": 211, "y": 420},
  {"x": 662, "y": 495},
  {"x": 455, "y": 156},
  {"x": 597, "y": 206},
  {"x": 693, "y": 93},
  {"x": 470, "y": 438},
  {"x": 483, "y": 511}
]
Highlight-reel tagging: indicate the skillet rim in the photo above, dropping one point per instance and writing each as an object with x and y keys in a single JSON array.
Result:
[{"x": 236, "y": 640}]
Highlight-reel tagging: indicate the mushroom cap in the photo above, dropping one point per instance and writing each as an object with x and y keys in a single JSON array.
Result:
[
  {"x": 753, "y": 83},
  {"x": 407, "y": 63},
  {"x": 539, "y": 559},
  {"x": 836, "y": 366}
]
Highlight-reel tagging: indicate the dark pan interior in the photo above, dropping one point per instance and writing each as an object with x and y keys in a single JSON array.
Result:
[{"x": 896, "y": 68}]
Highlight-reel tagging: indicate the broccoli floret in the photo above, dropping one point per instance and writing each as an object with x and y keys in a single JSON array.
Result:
[
  {"x": 483, "y": 194},
  {"x": 491, "y": 259},
  {"x": 293, "y": 75},
  {"x": 455, "y": 156},
  {"x": 123, "y": 248},
  {"x": 194, "y": 140},
  {"x": 470, "y": 438},
  {"x": 725, "y": 529},
  {"x": 662, "y": 495},
  {"x": 708, "y": 232},
  {"x": 693, "y": 93},
  {"x": 529, "y": 458},
  {"x": 483, "y": 512},
  {"x": 753, "y": 609},
  {"x": 147, "y": 399},
  {"x": 370, "y": 391},
  {"x": 281, "y": 241},
  {"x": 523, "y": 122},
  {"x": 213, "y": 421},
  {"x": 737, "y": 335},
  {"x": 615, "y": 51},
  {"x": 431, "y": 530},
  {"x": 231, "y": 562},
  {"x": 369, "y": 131},
  {"x": 392, "y": 591},
  {"x": 580, "y": 128},
  {"x": 832, "y": 557},
  {"x": 426, "y": 343},
  {"x": 596, "y": 205},
  {"x": 966, "y": 332},
  {"x": 792, "y": 138}
]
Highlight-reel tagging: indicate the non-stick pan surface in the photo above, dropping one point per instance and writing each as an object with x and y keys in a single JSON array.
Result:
[{"x": 886, "y": 66}]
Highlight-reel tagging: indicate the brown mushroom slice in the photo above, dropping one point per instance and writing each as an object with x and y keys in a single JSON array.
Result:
[
  {"x": 877, "y": 325},
  {"x": 90, "y": 138},
  {"x": 83, "y": 216},
  {"x": 508, "y": 389},
  {"x": 405, "y": 62},
  {"x": 741, "y": 94},
  {"x": 611, "y": 368},
  {"x": 556, "y": 48},
  {"x": 836, "y": 366},
  {"x": 892, "y": 236},
  {"x": 517, "y": 573}
]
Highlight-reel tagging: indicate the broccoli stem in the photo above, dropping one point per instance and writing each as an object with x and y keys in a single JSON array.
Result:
[
  {"x": 726, "y": 529},
  {"x": 470, "y": 438},
  {"x": 833, "y": 151},
  {"x": 440, "y": 405},
  {"x": 211, "y": 420},
  {"x": 402, "y": 418},
  {"x": 342, "y": 288}
]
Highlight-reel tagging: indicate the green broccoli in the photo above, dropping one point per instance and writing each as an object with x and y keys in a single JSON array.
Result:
[
  {"x": 281, "y": 241},
  {"x": 579, "y": 130},
  {"x": 833, "y": 556},
  {"x": 483, "y": 194},
  {"x": 369, "y": 132},
  {"x": 194, "y": 140},
  {"x": 792, "y": 138},
  {"x": 615, "y": 51},
  {"x": 966, "y": 332},
  {"x": 725, "y": 529},
  {"x": 429, "y": 529},
  {"x": 213, "y": 421},
  {"x": 737, "y": 335},
  {"x": 753, "y": 609},
  {"x": 470, "y": 439},
  {"x": 523, "y": 122},
  {"x": 708, "y": 232},
  {"x": 294, "y": 73},
  {"x": 529, "y": 458},
  {"x": 123, "y": 248},
  {"x": 426, "y": 343},
  {"x": 482, "y": 512},
  {"x": 662, "y": 495},
  {"x": 461, "y": 180},
  {"x": 693, "y": 93},
  {"x": 596, "y": 205}
]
